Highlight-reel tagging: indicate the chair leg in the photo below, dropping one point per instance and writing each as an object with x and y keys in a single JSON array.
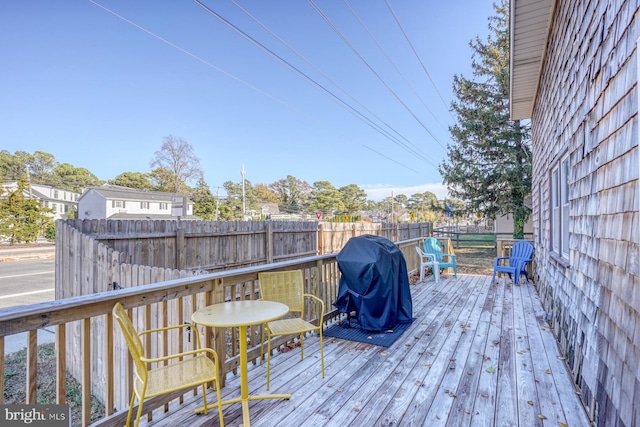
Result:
[
  {"x": 302, "y": 346},
  {"x": 262, "y": 344},
  {"x": 268, "y": 360},
  {"x": 219, "y": 400},
  {"x": 321, "y": 353},
  {"x": 139, "y": 415},
  {"x": 133, "y": 400},
  {"x": 204, "y": 398}
]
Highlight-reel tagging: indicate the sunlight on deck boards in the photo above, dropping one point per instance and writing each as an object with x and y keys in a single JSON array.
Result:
[{"x": 477, "y": 354}]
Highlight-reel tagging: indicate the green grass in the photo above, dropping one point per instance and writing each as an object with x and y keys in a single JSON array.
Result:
[
  {"x": 15, "y": 379},
  {"x": 474, "y": 240}
]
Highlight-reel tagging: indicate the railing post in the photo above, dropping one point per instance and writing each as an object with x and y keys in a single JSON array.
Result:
[
  {"x": 218, "y": 334},
  {"x": 61, "y": 366},
  {"x": 32, "y": 367}
]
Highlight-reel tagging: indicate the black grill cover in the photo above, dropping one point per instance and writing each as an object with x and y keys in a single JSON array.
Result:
[{"x": 374, "y": 283}]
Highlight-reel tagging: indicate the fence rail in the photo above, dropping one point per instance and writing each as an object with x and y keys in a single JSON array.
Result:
[{"x": 461, "y": 238}]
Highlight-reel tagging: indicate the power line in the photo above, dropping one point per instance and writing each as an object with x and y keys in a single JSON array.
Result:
[
  {"x": 417, "y": 56},
  {"x": 331, "y": 81},
  {"x": 337, "y": 31},
  {"x": 197, "y": 58},
  {"x": 302, "y": 75},
  {"x": 336, "y": 99},
  {"x": 393, "y": 63}
]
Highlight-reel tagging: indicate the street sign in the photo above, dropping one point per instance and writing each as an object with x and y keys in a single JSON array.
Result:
[
  {"x": 318, "y": 214},
  {"x": 178, "y": 206}
]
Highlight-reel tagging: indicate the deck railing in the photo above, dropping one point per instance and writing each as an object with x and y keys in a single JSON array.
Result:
[{"x": 159, "y": 304}]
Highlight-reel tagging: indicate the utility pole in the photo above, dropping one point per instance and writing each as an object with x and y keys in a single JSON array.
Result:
[
  {"x": 243, "y": 201},
  {"x": 392, "y": 206},
  {"x": 217, "y": 200},
  {"x": 29, "y": 183}
]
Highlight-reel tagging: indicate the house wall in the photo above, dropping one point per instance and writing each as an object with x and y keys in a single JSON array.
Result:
[
  {"x": 92, "y": 205},
  {"x": 586, "y": 108}
]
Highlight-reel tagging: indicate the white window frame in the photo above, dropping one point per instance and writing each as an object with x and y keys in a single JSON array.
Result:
[
  {"x": 555, "y": 209},
  {"x": 560, "y": 207},
  {"x": 564, "y": 206}
]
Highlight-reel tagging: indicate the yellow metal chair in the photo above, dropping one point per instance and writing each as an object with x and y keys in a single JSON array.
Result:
[
  {"x": 287, "y": 287},
  {"x": 187, "y": 372}
]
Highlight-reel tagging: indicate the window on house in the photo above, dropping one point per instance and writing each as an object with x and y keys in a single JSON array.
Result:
[
  {"x": 560, "y": 207},
  {"x": 55, "y": 194},
  {"x": 564, "y": 201},
  {"x": 117, "y": 204},
  {"x": 163, "y": 206},
  {"x": 54, "y": 207},
  {"x": 555, "y": 210},
  {"x": 540, "y": 211},
  {"x": 144, "y": 205}
]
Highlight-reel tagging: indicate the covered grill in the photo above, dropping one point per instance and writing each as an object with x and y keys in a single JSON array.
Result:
[{"x": 374, "y": 283}]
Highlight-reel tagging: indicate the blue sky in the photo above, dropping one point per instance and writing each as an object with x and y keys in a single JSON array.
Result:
[{"x": 368, "y": 104}]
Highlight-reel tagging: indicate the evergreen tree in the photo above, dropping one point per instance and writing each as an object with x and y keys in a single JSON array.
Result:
[
  {"x": 489, "y": 162},
  {"x": 139, "y": 180},
  {"x": 22, "y": 219},
  {"x": 204, "y": 202},
  {"x": 354, "y": 198},
  {"x": 326, "y": 198}
]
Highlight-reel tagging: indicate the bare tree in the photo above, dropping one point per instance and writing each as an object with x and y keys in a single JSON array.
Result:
[{"x": 177, "y": 158}]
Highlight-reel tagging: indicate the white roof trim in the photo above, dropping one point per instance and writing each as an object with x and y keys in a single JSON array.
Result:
[{"x": 529, "y": 30}]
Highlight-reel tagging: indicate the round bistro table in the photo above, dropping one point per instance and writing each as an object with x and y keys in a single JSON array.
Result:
[{"x": 242, "y": 314}]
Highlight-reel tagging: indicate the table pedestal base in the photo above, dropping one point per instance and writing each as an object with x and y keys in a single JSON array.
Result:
[{"x": 244, "y": 383}]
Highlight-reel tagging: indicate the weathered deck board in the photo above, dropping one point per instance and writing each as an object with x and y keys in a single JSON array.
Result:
[{"x": 478, "y": 354}]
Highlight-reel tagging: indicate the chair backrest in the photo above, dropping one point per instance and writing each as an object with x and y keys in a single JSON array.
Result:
[
  {"x": 432, "y": 246},
  {"x": 133, "y": 340},
  {"x": 286, "y": 287},
  {"x": 521, "y": 250}
]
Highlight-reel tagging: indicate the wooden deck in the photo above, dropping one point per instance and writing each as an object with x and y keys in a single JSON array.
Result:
[{"x": 478, "y": 354}]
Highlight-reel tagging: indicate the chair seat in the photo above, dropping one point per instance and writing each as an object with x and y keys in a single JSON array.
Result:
[
  {"x": 190, "y": 372},
  {"x": 291, "y": 326}
]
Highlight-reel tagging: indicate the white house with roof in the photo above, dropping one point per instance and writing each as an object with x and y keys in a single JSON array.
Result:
[
  {"x": 115, "y": 202},
  {"x": 60, "y": 201}
]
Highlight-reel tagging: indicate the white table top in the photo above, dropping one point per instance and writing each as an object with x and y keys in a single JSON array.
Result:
[{"x": 239, "y": 313}]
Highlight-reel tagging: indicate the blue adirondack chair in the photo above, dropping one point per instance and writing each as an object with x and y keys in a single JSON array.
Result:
[
  {"x": 521, "y": 253},
  {"x": 432, "y": 246}
]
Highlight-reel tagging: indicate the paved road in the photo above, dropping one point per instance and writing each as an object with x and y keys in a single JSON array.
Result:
[{"x": 22, "y": 283}]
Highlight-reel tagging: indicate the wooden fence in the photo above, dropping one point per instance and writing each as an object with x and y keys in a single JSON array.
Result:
[
  {"x": 169, "y": 298},
  {"x": 220, "y": 245}
]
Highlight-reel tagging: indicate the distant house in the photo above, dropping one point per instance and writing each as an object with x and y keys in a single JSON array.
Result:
[
  {"x": 574, "y": 73},
  {"x": 503, "y": 225},
  {"x": 115, "y": 202},
  {"x": 60, "y": 201}
]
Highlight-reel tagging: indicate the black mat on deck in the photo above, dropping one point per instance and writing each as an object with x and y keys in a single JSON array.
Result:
[{"x": 355, "y": 333}]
